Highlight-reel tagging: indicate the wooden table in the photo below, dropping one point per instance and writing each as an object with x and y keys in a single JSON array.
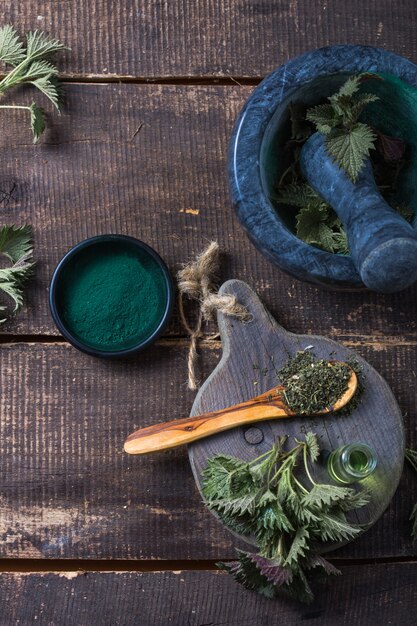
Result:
[{"x": 88, "y": 534}]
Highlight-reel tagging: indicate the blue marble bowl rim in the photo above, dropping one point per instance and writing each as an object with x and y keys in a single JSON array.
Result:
[{"x": 255, "y": 211}]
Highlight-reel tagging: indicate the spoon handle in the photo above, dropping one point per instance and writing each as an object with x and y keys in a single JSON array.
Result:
[{"x": 181, "y": 431}]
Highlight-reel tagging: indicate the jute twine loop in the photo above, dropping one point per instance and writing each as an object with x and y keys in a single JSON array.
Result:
[{"x": 196, "y": 281}]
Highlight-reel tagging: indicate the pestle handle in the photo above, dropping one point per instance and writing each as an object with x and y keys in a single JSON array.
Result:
[{"x": 383, "y": 246}]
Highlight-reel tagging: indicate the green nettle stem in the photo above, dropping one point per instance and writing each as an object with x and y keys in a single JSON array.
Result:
[
  {"x": 258, "y": 458},
  {"x": 306, "y": 466},
  {"x": 286, "y": 464},
  {"x": 14, "y": 106},
  {"x": 9, "y": 80},
  {"x": 17, "y": 74},
  {"x": 300, "y": 485}
]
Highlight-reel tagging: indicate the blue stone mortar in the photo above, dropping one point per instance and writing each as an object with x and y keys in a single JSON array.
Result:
[{"x": 383, "y": 246}]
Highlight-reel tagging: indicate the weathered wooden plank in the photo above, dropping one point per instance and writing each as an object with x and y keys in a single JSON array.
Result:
[
  {"x": 150, "y": 38},
  {"x": 67, "y": 486},
  {"x": 362, "y": 595},
  {"x": 91, "y": 176},
  {"x": 69, "y": 490}
]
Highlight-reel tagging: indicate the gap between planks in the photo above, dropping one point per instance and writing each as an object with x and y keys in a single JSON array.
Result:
[
  {"x": 183, "y": 341},
  {"x": 33, "y": 566},
  {"x": 240, "y": 81}
]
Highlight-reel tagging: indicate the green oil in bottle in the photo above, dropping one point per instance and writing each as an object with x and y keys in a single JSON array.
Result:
[{"x": 352, "y": 462}]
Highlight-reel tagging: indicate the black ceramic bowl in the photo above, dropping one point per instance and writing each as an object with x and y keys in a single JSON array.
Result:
[
  {"x": 256, "y": 156},
  {"x": 71, "y": 268}
]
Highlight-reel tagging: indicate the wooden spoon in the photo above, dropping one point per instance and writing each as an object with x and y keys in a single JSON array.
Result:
[{"x": 268, "y": 405}]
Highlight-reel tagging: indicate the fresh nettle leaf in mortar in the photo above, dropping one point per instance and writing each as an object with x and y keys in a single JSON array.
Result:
[
  {"x": 317, "y": 223},
  {"x": 31, "y": 65},
  {"x": 285, "y": 511},
  {"x": 15, "y": 248},
  {"x": 350, "y": 142}
]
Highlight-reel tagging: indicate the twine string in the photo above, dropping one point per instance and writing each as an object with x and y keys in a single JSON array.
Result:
[{"x": 196, "y": 281}]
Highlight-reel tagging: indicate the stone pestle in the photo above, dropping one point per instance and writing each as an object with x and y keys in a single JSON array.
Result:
[{"x": 383, "y": 246}]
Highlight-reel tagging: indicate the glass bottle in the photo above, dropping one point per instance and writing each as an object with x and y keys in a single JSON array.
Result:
[{"x": 351, "y": 462}]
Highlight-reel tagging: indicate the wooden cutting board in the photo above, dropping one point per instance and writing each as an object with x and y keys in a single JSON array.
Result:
[{"x": 252, "y": 354}]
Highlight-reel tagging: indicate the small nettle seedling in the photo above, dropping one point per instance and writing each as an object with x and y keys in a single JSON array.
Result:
[{"x": 31, "y": 64}]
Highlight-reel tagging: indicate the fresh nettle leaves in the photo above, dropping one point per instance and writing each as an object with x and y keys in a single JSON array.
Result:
[
  {"x": 350, "y": 142},
  {"x": 15, "y": 248},
  {"x": 275, "y": 501},
  {"x": 31, "y": 65},
  {"x": 316, "y": 222},
  {"x": 411, "y": 456}
]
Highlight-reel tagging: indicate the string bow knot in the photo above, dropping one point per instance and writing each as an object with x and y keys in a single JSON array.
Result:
[{"x": 196, "y": 281}]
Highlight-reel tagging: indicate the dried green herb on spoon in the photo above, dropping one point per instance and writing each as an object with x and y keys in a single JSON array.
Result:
[
  {"x": 311, "y": 384},
  {"x": 288, "y": 515}
]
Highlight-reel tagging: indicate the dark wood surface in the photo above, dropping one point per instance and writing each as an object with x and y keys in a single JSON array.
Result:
[
  {"x": 134, "y": 189},
  {"x": 374, "y": 593},
  {"x": 241, "y": 38},
  {"x": 68, "y": 490}
]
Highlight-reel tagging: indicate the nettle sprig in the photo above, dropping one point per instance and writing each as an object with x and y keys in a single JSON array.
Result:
[
  {"x": 348, "y": 140},
  {"x": 411, "y": 456},
  {"x": 32, "y": 65},
  {"x": 316, "y": 221},
  {"x": 286, "y": 515},
  {"x": 16, "y": 247}
]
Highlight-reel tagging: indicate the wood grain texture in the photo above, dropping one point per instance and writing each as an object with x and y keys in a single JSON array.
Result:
[
  {"x": 154, "y": 38},
  {"x": 369, "y": 594},
  {"x": 263, "y": 346},
  {"x": 69, "y": 491},
  {"x": 131, "y": 158},
  {"x": 67, "y": 486},
  {"x": 90, "y": 177}
]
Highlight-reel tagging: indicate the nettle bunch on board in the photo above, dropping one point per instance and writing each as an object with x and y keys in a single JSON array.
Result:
[{"x": 287, "y": 515}]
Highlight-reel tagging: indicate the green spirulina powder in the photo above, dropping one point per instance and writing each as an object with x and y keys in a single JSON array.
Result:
[{"x": 113, "y": 299}]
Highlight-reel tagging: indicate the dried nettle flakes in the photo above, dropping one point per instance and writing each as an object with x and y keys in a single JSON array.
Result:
[{"x": 313, "y": 384}]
